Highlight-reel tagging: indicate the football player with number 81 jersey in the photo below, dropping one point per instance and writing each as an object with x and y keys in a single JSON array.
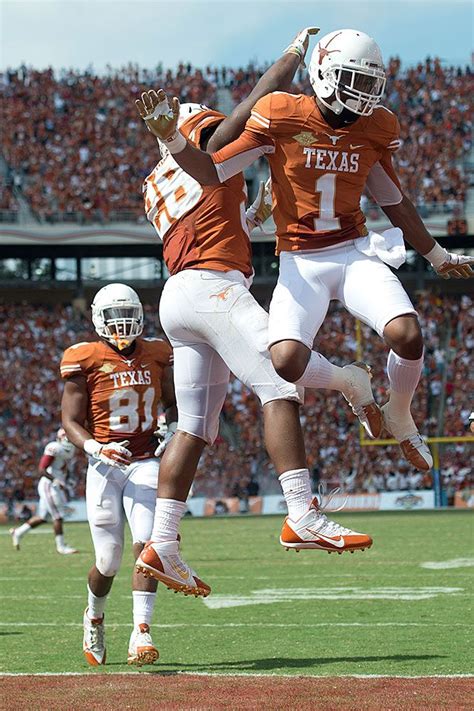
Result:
[{"x": 110, "y": 409}]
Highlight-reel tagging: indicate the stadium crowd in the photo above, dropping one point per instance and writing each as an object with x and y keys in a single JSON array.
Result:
[
  {"x": 59, "y": 127},
  {"x": 30, "y": 392}
]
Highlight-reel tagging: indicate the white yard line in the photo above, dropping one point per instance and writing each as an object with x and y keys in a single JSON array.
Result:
[
  {"x": 248, "y": 674},
  {"x": 220, "y": 625}
]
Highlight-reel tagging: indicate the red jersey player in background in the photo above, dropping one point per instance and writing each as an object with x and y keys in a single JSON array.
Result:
[
  {"x": 216, "y": 327},
  {"x": 52, "y": 490},
  {"x": 323, "y": 150},
  {"x": 110, "y": 409}
]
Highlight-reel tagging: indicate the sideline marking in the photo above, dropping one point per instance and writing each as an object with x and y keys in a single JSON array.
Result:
[
  {"x": 245, "y": 674},
  {"x": 447, "y": 564},
  {"x": 273, "y": 595}
]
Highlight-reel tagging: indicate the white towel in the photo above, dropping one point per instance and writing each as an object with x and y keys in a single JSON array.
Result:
[{"x": 388, "y": 246}]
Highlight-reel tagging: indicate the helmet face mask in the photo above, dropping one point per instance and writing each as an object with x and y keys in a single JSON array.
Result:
[
  {"x": 346, "y": 72},
  {"x": 117, "y": 315}
]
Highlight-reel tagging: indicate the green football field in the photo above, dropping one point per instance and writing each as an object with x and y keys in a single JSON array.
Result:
[{"x": 270, "y": 611}]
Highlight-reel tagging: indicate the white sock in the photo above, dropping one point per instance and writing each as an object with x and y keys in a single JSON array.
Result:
[
  {"x": 403, "y": 375},
  {"x": 95, "y": 605},
  {"x": 320, "y": 373},
  {"x": 168, "y": 515},
  {"x": 21, "y": 530},
  {"x": 59, "y": 541},
  {"x": 297, "y": 491},
  {"x": 143, "y": 606}
]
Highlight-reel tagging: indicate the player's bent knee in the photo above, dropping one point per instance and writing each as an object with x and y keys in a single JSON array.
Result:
[
  {"x": 108, "y": 559},
  {"x": 289, "y": 361},
  {"x": 404, "y": 337}
]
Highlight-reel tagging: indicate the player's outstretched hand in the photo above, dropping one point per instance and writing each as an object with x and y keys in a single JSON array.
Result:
[
  {"x": 160, "y": 116},
  {"x": 449, "y": 265},
  {"x": 164, "y": 437},
  {"x": 300, "y": 44}
]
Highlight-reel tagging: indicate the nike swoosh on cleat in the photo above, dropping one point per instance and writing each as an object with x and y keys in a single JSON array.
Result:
[
  {"x": 182, "y": 572},
  {"x": 338, "y": 543}
]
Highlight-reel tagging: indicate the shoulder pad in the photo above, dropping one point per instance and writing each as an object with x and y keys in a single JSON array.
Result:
[
  {"x": 51, "y": 449},
  {"x": 80, "y": 351}
]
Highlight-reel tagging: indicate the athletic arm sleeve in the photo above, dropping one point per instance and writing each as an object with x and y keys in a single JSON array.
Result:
[
  {"x": 382, "y": 182},
  {"x": 255, "y": 141}
]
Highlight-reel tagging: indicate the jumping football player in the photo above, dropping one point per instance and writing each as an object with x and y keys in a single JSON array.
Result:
[
  {"x": 215, "y": 326},
  {"x": 52, "y": 490},
  {"x": 323, "y": 150},
  {"x": 110, "y": 410}
]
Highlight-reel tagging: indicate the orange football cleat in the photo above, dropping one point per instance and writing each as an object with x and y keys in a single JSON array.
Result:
[
  {"x": 163, "y": 562},
  {"x": 315, "y": 530}
]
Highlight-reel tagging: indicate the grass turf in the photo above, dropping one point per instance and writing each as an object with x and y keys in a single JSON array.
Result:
[{"x": 43, "y": 597}]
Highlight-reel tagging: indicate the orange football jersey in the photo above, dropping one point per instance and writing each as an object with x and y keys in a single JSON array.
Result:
[
  {"x": 201, "y": 227},
  {"x": 318, "y": 173},
  {"x": 124, "y": 393}
]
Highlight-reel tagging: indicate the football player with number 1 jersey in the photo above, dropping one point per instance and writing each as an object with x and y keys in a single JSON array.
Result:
[
  {"x": 110, "y": 409},
  {"x": 323, "y": 150},
  {"x": 216, "y": 327}
]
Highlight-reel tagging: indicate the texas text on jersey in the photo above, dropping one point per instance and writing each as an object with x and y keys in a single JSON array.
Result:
[
  {"x": 201, "y": 227},
  {"x": 318, "y": 173},
  {"x": 123, "y": 392}
]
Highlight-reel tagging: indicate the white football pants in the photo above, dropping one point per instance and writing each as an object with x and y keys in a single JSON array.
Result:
[
  {"x": 51, "y": 500},
  {"x": 113, "y": 495},
  {"x": 216, "y": 327},
  {"x": 309, "y": 280}
]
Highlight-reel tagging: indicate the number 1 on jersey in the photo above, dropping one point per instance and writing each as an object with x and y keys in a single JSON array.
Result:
[{"x": 326, "y": 187}]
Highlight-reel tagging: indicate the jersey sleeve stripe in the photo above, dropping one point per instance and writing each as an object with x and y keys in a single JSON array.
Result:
[
  {"x": 71, "y": 367},
  {"x": 260, "y": 119}
]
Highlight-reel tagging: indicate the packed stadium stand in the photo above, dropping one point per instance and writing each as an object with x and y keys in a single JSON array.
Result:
[
  {"x": 74, "y": 152},
  {"x": 30, "y": 390},
  {"x": 58, "y": 127}
]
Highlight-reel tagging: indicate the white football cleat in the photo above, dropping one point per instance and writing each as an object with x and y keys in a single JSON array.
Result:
[
  {"x": 358, "y": 393},
  {"x": 141, "y": 649},
  {"x": 66, "y": 550},
  {"x": 163, "y": 562},
  {"x": 15, "y": 539},
  {"x": 315, "y": 530},
  {"x": 94, "y": 641},
  {"x": 414, "y": 448}
]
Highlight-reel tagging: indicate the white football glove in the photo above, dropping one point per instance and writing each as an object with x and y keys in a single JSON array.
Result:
[
  {"x": 300, "y": 44},
  {"x": 261, "y": 208},
  {"x": 115, "y": 454},
  {"x": 170, "y": 430},
  {"x": 447, "y": 264}
]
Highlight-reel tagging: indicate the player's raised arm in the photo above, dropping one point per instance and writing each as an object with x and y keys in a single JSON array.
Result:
[
  {"x": 161, "y": 118},
  {"x": 278, "y": 77}
]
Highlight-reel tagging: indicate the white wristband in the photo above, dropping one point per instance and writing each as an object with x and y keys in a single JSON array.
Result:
[
  {"x": 92, "y": 447},
  {"x": 437, "y": 255},
  {"x": 176, "y": 143}
]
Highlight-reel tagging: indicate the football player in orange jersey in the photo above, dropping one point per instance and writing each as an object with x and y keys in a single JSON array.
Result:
[
  {"x": 215, "y": 326},
  {"x": 323, "y": 150},
  {"x": 110, "y": 410}
]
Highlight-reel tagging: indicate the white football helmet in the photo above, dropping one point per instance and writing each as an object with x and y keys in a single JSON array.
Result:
[
  {"x": 186, "y": 111},
  {"x": 346, "y": 72},
  {"x": 66, "y": 445},
  {"x": 117, "y": 314}
]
